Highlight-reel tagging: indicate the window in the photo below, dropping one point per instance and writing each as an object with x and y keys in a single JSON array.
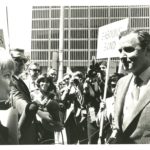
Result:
[
  {"x": 77, "y": 55},
  {"x": 99, "y": 12},
  {"x": 40, "y": 24},
  {"x": 40, "y": 7},
  {"x": 66, "y": 34},
  {"x": 94, "y": 33},
  {"x": 54, "y": 23},
  {"x": 93, "y": 44},
  {"x": 65, "y": 44},
  {"x": 139, "y": 12},
  {"x": 79, "y": 34},
  {"x": 39, "y": 55},
  {"x": 66, "y": 24},
  {"x": 119, "y": 12},
  {"x": 40, "y": 14},
  {"x": 79, "y": 13},
  {"x": 54, "y": 44},
  {"x": 65, "y": 55},
  {"x": 92, "y": 53},
  {"x": 79, "y": 44},
  {"x": 39, "y": 45},
  {"x": 40, "y": 34},
  {"x": 66, "y": 12},
  {"x": 140, "y": 22},
  {"x": 55, "y": 34},
  {"x": 55, "y": 13},
  {"x": 79, "y": 23},
  {"x": 96, "y": 23}
]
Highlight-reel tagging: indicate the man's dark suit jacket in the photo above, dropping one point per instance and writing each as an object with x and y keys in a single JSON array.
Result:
[
  {"x": 20, "y": 96},
  {"x": 3, "y": 135},
  {"x": 137, "y": 129}
]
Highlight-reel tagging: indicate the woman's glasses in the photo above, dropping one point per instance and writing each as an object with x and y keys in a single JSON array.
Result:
[{"x": 19, "y": 60}]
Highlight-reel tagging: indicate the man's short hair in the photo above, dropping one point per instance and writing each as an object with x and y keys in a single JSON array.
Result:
[
  {"x": 143, "y": 37},
  {"x": 34, "y": 64},
  {"x": 6, "y": 61}
]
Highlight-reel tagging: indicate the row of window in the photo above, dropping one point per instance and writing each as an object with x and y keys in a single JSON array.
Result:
[
  {"x": 46, "y": 13},
  {"x": 74, "y": 34},
  {"x": 97, "y": 12},
  {"x": 55, "y": 44},
  {"x": 84, "y": 23},
  {"x": 74, "y": 55}
]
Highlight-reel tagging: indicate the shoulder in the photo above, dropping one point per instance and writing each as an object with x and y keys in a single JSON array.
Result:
[
  {"x": 125, "y": 78},
  {"x": 3, "y": 134},
  {"x": 36, "y": 92},
  {"x": 14, "y": 80}
]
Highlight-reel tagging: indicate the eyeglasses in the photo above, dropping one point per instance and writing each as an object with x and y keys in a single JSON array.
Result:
[
  {"x": 127, "y": 49},
  {"x": 19, "y": 60},
  {"x": 35, "y": 70},
  {"x": 103, "y": 68},
  {"x": 53, "y": 74}
]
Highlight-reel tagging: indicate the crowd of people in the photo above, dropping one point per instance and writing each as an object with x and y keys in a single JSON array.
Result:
[{"x": 39, "y": 109}]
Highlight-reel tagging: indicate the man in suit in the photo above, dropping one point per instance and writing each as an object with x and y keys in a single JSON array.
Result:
[
  {"x": 21, "y": 100},
  {"x": 132, "y": 100}
]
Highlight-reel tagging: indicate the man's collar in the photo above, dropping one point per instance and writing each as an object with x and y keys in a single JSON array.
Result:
[
  {"x": 16, "y": 77},
  {"x": 145, "y": 75}
]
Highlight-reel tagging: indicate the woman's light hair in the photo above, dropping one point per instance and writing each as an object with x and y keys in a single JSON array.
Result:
[{"x": 6, "y": 61}]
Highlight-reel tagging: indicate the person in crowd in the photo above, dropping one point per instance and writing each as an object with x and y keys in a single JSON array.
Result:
[
  {"x": 72, "y": 99},
  {"x": 103, "y": 67},
  {"x": 67, "y": 100},
  {"x": 6, "y": 72},
  {"x": 21, "y": 100},
  {"x": 47, "y": 99},
  {"x": 93, "y": 91},
  {"x": 53, "y": 74},
  {"x": 107, "y": 107},
  {"x": 132, "y": 102},
  {"x": 66, "y": 78},
  {"x": 34, "y": 72},
  {"x": 64, "y": 89},
  {"x": 60, "y": 85}
]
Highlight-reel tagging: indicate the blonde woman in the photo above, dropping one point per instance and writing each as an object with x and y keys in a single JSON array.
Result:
[{"x": 8, "y": 124}]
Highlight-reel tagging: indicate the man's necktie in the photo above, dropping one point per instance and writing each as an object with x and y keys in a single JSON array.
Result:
[{"x": 136, "y": 88}]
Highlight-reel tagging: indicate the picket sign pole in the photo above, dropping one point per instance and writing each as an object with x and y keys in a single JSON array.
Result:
[{"x": 104, "y": 99}]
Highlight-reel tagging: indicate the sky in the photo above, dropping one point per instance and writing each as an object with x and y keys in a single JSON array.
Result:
[{"x": 20, "y": 13}]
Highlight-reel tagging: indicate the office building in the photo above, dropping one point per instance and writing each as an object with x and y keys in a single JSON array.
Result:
[{"x": 81, "y": 25}]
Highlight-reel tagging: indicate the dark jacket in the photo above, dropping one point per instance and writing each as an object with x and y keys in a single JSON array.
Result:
[{"x": 20, "y": 97}]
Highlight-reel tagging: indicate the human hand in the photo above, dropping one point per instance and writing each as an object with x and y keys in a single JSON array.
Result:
[
  {"x": 113, "y": 138},
  {"x": 102, "y": 105},
  {"x": 44, "y": 115},
  {"x": 58, "y": 126}
]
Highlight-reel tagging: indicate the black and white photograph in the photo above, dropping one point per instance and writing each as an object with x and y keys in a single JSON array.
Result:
[{"x": 74, "y": 73}]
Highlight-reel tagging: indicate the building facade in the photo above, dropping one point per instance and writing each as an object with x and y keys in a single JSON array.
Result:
[{"x": 81, "y": 25}]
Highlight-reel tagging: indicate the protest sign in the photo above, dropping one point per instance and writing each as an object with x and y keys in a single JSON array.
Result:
[{"x": 108, "y": 37}]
